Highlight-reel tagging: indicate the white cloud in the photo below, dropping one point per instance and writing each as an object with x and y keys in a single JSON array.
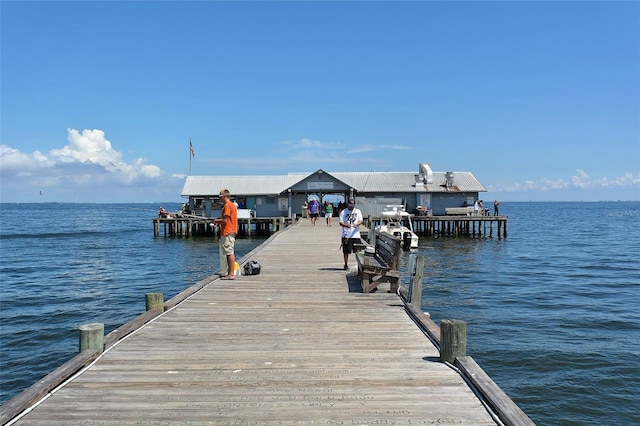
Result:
[
  {"x": 88, "y": 153},
  {"x": 371, "y": 148},
  {"x": 88, "y": 159},
  {"x": 581, "y": 180},
  {"x": 305, "y": 144},
  {"x": 12, "y": 160}
]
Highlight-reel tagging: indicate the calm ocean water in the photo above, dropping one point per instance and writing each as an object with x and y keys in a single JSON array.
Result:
[{"x": 551, "y": 310}]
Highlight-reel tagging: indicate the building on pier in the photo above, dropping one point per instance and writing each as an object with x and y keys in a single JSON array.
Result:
[{"x": 285, "y": 195}]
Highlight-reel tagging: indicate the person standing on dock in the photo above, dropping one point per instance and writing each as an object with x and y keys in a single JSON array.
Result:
[
  {"x": 495, "y": 207},
  {"x": 350, "y": 221},
  {"x": 228, "y": 228},
  {"x": 314, "y": 210},
  {"x": 328, "y": 212}
]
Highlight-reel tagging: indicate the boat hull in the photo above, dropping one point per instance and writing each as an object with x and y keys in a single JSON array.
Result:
[
  {"x": 393, "y": 221},
  {"x": 400, "y": 232}
]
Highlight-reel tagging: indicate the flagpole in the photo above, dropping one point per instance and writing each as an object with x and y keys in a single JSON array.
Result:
[{"x": 190, "y": 155}]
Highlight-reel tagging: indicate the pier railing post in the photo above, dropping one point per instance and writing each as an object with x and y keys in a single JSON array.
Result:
[
  {"x": 154, "y": 301},
  {"x": 453, "y": 339},
  {"x": 92, "y": 337},
  {"x": 415, "y": 292}
]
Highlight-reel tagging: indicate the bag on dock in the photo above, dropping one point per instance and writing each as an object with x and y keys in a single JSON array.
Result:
[{"x": 251, "y": 268}]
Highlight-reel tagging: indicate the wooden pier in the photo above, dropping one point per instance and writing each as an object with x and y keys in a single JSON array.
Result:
[
  {"x": 190, "y": 225},
  {"x": 431, "y": 226},
  {"x": 456, "y": 226},
  {"x": 297, "y": 344}
]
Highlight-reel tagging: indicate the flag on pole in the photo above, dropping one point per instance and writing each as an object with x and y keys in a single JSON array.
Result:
[{"x": 193, "y": 151}]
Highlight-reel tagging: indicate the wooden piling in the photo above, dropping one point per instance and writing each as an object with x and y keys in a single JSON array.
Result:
[
  {"x": 92, "y": 337},
  {"x": 415, "y": 294},
  {"x": 453, "y": 339},
  {"x": 154, "y": 301}
]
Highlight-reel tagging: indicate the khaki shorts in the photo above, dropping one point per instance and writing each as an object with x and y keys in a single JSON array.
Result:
[{"x": 228, "y": 243}]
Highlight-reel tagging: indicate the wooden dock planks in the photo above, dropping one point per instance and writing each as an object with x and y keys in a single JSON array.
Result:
[{"x": 289, "y": 346}]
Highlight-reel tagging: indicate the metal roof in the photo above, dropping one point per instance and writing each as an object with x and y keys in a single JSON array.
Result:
[
  {"x": 462, "y": 182},
  {"x": 238, "y": 185},
  {"x": 362, "y": 182},
  {"x": 380, "y": 181}
]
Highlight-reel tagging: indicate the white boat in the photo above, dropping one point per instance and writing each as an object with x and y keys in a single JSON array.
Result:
[{"x": 393, "y": 220}]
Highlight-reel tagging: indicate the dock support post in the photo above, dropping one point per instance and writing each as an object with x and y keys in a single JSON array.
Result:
[
  {"x": 453, "y": 340},
  {"x": 154, "y": 301},
  {"x": 92, "y": 337},
  {"x": 415, "y": 294}
]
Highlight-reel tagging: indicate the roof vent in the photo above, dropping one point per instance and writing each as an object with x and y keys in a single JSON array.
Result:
[
  {"x": 449, "y": 179},
  {"x": 426, "y": 173}
]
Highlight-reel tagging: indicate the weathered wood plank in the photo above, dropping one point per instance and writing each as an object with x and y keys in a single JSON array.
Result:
[
  {"x": 41, "y": 388},
  {"x": 506, "y": 409},
  {"x": 129, "y": 327}
]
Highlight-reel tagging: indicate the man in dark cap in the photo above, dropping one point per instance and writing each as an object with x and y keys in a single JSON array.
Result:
[{"x": 350, "y": 221}]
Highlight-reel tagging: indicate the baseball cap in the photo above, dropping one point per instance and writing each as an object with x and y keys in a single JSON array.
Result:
[{"x": 351, "y": 203}]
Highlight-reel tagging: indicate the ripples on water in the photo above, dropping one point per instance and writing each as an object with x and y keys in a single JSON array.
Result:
[
  {"x": 64, "y": 265},
  {"x": 551, "y": 310}
]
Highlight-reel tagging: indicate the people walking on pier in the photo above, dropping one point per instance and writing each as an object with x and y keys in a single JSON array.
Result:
[
  {"x": 350, "y": 221},
  {"x": 314, "y": 210},
  {"x": 328, "y": 212},
  {"x": 495, "y": 207},
  {"x": 228, "y": 228}
]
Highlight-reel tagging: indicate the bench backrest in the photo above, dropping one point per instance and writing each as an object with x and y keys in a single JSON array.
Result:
[{"x": 388, "y": 249}]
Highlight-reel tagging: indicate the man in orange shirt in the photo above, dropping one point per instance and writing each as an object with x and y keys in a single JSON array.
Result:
[{"x": 228, "y": 229}]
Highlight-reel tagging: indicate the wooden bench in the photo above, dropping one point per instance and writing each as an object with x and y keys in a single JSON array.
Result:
[
  {"x": 459, "y": 211},
  {"x": 381, "y": 266}
]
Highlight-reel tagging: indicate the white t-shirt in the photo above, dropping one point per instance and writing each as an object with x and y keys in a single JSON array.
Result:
[{"x": 352, "y": 217}]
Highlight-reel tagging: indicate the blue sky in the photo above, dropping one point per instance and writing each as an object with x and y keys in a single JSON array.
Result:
[{"x": 540, "y": 100}]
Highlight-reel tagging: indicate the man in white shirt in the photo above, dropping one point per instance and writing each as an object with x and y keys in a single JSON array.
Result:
[{"x": 350, "y": 221}]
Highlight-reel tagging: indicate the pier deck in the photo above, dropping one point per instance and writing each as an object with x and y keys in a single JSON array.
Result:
[{"x": 297, "y": 344}]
